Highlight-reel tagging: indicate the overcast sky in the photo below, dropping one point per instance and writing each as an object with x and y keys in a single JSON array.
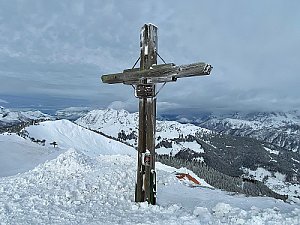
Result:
[{"x": 54, "y": 52}]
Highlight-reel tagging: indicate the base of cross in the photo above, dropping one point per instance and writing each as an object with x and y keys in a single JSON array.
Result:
[{"x": 148, "y": 191}]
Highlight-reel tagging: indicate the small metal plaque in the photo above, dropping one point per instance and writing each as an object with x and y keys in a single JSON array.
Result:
[{"x": 145, "y": 90}]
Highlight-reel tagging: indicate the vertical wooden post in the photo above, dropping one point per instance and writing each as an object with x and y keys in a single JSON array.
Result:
[{"x": 146, "y": 177}]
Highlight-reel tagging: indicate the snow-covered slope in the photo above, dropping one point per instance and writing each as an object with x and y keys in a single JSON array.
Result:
[
  {"x": 19, "y": 155},
  {"x": 69, "y": 135},
  {"x": 122, "y": 124},
  {"x": 77, "y": 189},
  {"x": 110, "y": 121}
]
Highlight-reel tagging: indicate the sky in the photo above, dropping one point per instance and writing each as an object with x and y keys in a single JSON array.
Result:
[{"x": 53, "y": 53}]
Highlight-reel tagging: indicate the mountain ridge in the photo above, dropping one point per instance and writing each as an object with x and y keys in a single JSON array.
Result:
[
  {"x": 278, "y": 128},
  {"x": 232, "y": 155}
]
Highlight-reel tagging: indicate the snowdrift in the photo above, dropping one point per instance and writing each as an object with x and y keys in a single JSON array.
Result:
[{"x": 75, "y": 188}]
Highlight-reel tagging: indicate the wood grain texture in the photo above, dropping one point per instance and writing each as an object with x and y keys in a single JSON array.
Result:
[{"x": 159, "y": 73}]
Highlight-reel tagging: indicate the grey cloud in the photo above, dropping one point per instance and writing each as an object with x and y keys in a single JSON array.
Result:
[{"x": 60, "y": 49}]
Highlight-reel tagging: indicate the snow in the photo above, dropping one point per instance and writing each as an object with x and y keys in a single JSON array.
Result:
[
  {"x": 184, "y": 120},
  {"x": 19, "y": 154},
  {"x": 164, "y": 151},
  {"x": 90, "y": 179},
  {"x": 171, "y": 129},
  {"x": 7, "y": 116},
  {"x": 173, "y": 170},
  {"x": 176, "y": 147},
  {"x": 16, "y": 151},
  {"x": 279, "y": 128},
  {"x": 217, "y": 207},
  {"x": 296, "y": 160},
  {"x": 271, "y": 120},
  {"x": 75, "y": 188},
  {"x": 258, "y": 174},
  {"x": 275, "y": 181},
  {"x": 199, "y": 159},
  {"x": 194, "y": 146},
  {"x": 69, "y": 135},
  {"x": 272, "y": 151},
  {"x": 238, "y": 123},
  {"x": 111, "y": 122}
]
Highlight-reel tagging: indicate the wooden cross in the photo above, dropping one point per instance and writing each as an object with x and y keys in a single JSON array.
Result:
[{"x": 144, "y": 79}]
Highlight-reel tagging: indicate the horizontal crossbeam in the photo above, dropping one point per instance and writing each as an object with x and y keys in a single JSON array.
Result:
[{"x": 158, "y": 73}]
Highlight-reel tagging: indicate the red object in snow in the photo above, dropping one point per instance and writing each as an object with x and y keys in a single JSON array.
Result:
[{"x": 185, "y": 176}]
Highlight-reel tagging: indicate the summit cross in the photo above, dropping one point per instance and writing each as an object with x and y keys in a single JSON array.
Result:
[{"x": 144, "y": 80}]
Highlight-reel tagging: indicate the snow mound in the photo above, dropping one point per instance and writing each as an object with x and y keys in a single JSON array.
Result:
[
  {"x": 77, "y": 189},
  {"x": 72, "y": 162}
]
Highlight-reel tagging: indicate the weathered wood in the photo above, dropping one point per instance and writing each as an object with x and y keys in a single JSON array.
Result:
[
  {"x": 149, "y": 46},
  {"x": 144, "y": 186},
  {"x": 159, "y": 74},
  {"x": 139, "y": 192}
]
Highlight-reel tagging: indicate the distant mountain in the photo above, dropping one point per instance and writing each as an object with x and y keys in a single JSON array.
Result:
[
  {"x": 231, "y": 155},
  {"x": 123, "y": 125},
  {"x": 72, "y": 113},
  {"x": 278, "y": 128},
  {"x": 9, "y": 118},
  {"x": 234, "y": 159}
]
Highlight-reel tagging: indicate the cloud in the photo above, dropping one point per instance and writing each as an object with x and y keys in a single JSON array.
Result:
[{"x": 59, "y": 49}]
